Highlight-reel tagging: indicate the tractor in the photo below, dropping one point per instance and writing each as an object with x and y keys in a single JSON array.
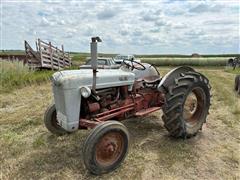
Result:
[{"x": 99, "y": 99}]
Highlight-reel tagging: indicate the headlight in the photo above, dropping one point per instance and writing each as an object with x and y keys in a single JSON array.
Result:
[{"x": 85, "y": 92}]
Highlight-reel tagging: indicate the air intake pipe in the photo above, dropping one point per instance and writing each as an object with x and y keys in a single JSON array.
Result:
[{"x": 94, "y": 57}]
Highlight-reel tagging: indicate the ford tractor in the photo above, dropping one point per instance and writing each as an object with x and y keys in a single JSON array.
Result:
[{"x": 99, "y": 99}]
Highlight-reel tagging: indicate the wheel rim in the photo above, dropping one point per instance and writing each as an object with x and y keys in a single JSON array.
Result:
[
  {"x": 110, "y": 148},
  {"x": 194, "y": 106}
]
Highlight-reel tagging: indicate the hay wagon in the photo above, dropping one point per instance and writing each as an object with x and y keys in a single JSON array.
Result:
[{"x": 46, "y": 56}]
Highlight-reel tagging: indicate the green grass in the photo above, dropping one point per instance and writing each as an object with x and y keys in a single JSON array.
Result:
[
  {"x": 233, "y": 71},
  {"x": 29, "y": 151},
  {"x": 15, "y": 75}
]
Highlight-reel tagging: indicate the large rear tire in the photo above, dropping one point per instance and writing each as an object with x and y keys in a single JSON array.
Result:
[
  {"x": 50, "y": 121},
  {"x": 187, "y": 104},
  {"x": 106, "y": 147}
]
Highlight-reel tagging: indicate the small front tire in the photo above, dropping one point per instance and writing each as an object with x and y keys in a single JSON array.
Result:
[
  {"x": 106, "y": 147},
  {"x": 50, "y": 121}
]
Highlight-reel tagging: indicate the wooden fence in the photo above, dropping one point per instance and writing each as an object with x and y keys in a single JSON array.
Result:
[{"x": 47, "y": 56}]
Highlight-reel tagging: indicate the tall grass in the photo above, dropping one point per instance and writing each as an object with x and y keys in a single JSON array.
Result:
[
  {"x": 220, "y": 61},
  {"x": 16, "y": 74},
  {"x": 233, "y": 71}
]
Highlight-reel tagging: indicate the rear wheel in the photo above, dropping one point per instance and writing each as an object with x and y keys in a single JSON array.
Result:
[
  {"x": 106, "y": 147},
  {"x": 187, "y": 104},
  {"x": 51, "y": 123}
]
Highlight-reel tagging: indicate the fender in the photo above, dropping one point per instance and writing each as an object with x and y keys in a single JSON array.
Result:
[{"x": 170, "y": 77}]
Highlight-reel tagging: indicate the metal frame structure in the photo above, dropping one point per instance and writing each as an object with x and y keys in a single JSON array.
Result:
[{"x": 46, "y": 56}]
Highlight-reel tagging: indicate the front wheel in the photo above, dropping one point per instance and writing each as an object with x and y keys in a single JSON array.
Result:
[
  {"x": 106, "y": 147},
  {"x": 51, "y": 123},
  {"x": 187, "y": 104}
]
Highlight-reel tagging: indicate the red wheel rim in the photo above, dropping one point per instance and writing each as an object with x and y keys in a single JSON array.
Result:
[{"x": 110, "y": 148}]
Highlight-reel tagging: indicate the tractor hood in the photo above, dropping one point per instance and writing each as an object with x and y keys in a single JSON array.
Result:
[{"x": 71, "y": 79}]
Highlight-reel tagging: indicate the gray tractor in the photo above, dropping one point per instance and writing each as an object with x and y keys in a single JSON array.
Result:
[{"x": 99, "y": 99}]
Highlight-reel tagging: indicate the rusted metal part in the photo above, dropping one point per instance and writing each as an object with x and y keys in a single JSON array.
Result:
[
  {"x": 93, "y": 107},
  {"x": 114, "y": 110},
  {"x": 109, "y": 148},
  {"x": 84, "y": 123},
  {"x": 145, "y": 102},
  {"x": 124, "y": 91},
  {"x": 113, "y": 114},
  {"x": 119, "y": 103},
  {"x": 147, "y": 111}
]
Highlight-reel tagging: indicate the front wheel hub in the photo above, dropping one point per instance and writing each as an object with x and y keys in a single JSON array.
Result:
[
  {"x": 109, "y": 148},
  {"x": 194, "y": 106}
]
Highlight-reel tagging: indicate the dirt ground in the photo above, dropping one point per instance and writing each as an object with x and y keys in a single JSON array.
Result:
[{"x": 29, "y": 151}]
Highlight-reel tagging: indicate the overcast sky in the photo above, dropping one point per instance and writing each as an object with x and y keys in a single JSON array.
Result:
[{"x": 137, "y": 27}]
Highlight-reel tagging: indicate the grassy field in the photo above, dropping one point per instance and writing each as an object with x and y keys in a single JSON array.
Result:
[
  {"x": 230, "y": 70},
  {"x": 29, "y": 151},
  {"x": 16, "y": 75}
]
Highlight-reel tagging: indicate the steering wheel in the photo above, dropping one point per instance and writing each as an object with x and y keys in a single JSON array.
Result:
[{"x": 132, "y": 66}]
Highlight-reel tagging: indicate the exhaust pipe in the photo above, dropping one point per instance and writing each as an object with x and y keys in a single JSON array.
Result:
[{"x": 94, "y": 57}]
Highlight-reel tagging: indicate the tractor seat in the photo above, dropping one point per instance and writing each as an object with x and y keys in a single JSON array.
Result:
[{"x": 151, "y": 79}]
